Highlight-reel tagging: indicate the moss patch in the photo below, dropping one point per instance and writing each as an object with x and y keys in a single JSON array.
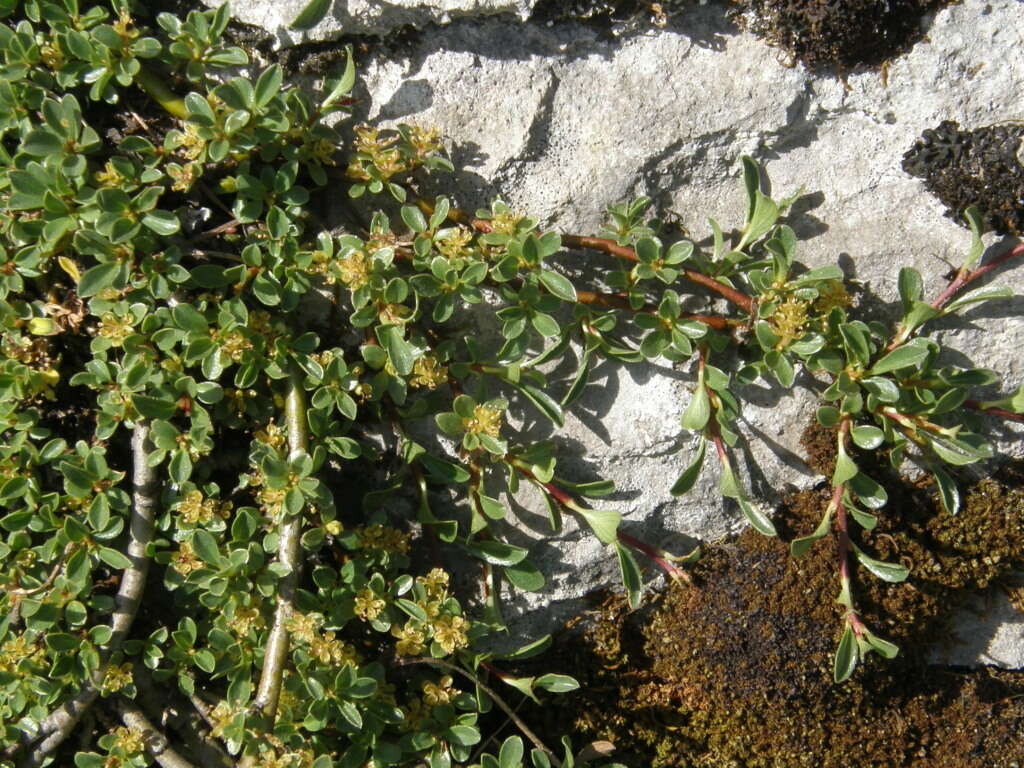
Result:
[
  {"x": 827, "y": 34},
  {"x": 736, "y": 670},
  {"x": 980, "y": 167}
]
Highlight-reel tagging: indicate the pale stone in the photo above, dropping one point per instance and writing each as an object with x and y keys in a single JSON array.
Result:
[{"x": 560, "y": 121}]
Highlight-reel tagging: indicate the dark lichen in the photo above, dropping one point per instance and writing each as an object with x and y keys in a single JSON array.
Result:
[
  {"x": 843, "y": 34},
  {"x": 736, "y": 669},
  {"x": 973, "y": 167}
]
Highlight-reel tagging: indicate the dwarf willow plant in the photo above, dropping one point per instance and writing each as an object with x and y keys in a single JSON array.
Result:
[{"x": 179, "y": 425}]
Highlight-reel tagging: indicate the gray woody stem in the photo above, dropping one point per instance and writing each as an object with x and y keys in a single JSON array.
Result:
[
  {"x": 57, "y": 726},
  {"x": 276, "y": 654},
  {"x": 157, "y": 745}
]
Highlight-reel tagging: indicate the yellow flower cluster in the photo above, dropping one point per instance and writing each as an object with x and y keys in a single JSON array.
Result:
[
  {"x": 126, "y": 743},
  {"x": 116, "y": 678},
  {"x": 428, "y": 373},
  {"x": 383, "y": 538},
  {"x": 327, "y": 649},
  {"x": 368, "y": 606},
  {"x": 244, "y": 619},
  {"x": 232, "y": 343},
  {"x": 438, "y": 693},
  {"x": 506, "y": 222},
  {"x": 354, "y": 270},
  {"x": 272, "y": 435},
  {"x": 184, "y": 561},
  {"x": 377, "y": 150},
  {"x": 435, "y": 583},
  {"x": 303, "y": 626},
  {"x": 222, "y": 715},
  {"x": 485, "y": 421},
  {"x": 15, "y": 651},
  {"x": 411, "y": 641},
  {"x": 195, "y": 510},
  {"x": 116, "y": 328},
  {"x": 450, "y": 632},
  {"x": 109, "y": 176},
  {"x": 424, "y": 140},
  {"x": 831, "y": 294},
  {"x": 323, "y": 646},
  {"x": 789, "y": 321},
  {"x": 455, "y": 245}
]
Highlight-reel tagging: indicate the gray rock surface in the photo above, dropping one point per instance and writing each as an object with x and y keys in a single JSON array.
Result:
[
  {"x": 364, "y": 17},
  {"x": 561, "y": 120}
]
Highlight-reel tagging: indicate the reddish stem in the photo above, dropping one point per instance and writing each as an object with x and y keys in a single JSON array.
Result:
[
  {"x": 963, "y": 279},
  {"x": 655, "y": 555},
  {"x": 566, "y": 500},
  {"x": 624, "y": 252},
  {"x": 621, "y": 301},
  {"x": 1000, "y": 412}
]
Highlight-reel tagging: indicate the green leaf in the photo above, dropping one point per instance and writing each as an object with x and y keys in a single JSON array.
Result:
[
  {"x": 883, "y": 647},
  {"x": 311, "y": 15},
  {"x": 982, "y": 294},
  {"x": 867, "y": 436},
  {"x": 413, "y": 218},
  {"x": 113, "y": 558},
  {"x": 268, "y": 85},
  {"x": 464, "y": 735},
  {"x": 949, "y": 493},
  {"x": 511, "y": 754},
  {"x": 962, "y": 450},
  {"x": 847, "y": 656},
  {"x": 976, "y": 222},
  {"x": 162, "y": 222},
  {"x": 697, "y": 413},
  {"x": 689, "y": 476},
  {"x": 98, "y": 278},
  {"x": 604, "y": 522},
  {"x": 400, "y": 352},
  {"x": 799, "y": 547},
  {"x": 558, "y": 285},
  {"x": 345, "y": 84},
  {"x": 544, "y": 402},
  {"x": 205, "y": 545},
  {"x": 902, "y": 357},
  {"x": 525, "y": 576},
  {"x": 630, "y": 572},
  {"x": 497, "y": 552},
  {"x": 890, "y": 572},
  {"x": 556, "y": 683},
  {"x": 846, "y": 468},
  {"x": 758, "y": 519},
  {"x": 911, "y": 287},
  {"x": 154, "y": 408}
]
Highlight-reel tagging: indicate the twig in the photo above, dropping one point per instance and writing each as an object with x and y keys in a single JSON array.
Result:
[
  {"x": 54, "y": 573},
  {"x": 57, "y": 726},
  {"x": 1002, "y": 413},
  {"x": 606, "y": 246},
  {"x": 276, "y": 654},
  {"x": 170, "y": 709},
  {"x": 964, "y": 278},
  {"x": 497, "y": 700},
  {"x": 612, "y": 248},
  {"x": 157, "y": 745}
]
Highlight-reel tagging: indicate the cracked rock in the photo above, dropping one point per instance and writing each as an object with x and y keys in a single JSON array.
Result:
[{"x": 561, "y": 120}]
